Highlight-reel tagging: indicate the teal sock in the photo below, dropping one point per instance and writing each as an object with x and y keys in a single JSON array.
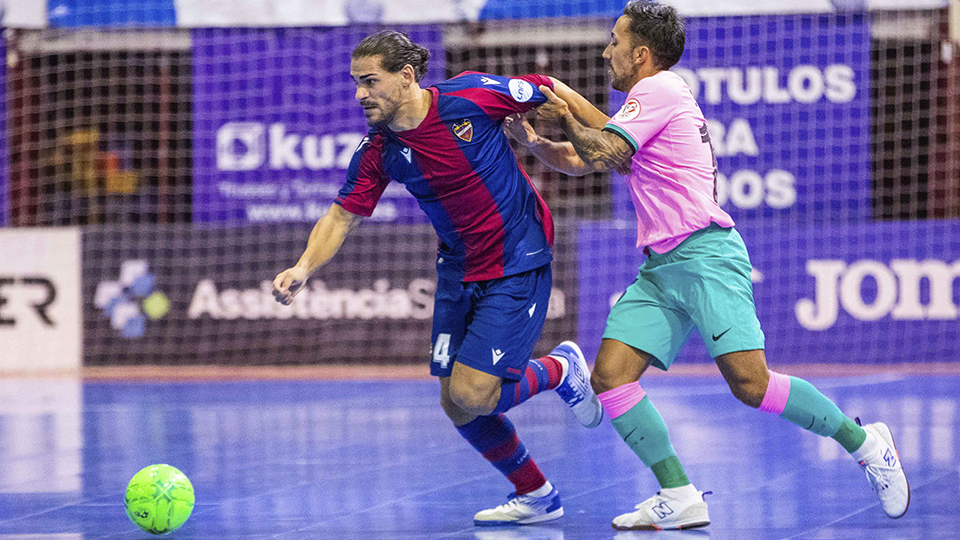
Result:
[
  {"x": 643, "y": 430},
  {"x": 813, "y": 411},
  {"x": 850, "y": 435}
]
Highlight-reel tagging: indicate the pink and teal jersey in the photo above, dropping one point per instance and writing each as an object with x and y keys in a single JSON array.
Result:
[
  {"x": 460, "y": 167},
  {"x": 673, "y": 176}
]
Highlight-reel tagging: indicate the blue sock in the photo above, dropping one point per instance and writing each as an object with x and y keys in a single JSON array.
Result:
[
  {"x": 541, "y": 374},
  {"x": 495, "y": 437}
]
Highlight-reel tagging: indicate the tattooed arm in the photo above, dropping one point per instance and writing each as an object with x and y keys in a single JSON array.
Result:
[{"x": 599, "y": 150}]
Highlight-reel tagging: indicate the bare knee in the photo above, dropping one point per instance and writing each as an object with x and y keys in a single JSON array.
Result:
[
  {"x": 473, "y": 399},
  {"x": 603, "y": 379},
  {"x": 456, "y": 415},
  {"x": 747, "y": 375},
  {"x": 749, "y": 389},
  {"x": 617, "y": 364}
]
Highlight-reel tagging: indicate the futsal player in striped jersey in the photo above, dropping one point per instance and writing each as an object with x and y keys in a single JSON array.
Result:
[
  {"x": 696, "y": 274},
  {"x": 446, "y": 145}
]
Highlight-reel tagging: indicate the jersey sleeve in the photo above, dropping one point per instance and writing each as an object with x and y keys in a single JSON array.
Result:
[
  {"x": 648, "y": 109},
  {"x": 366, "y": 179},
  {"x": 500, "y": 97}
]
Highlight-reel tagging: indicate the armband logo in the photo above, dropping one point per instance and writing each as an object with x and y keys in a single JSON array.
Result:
[{"x": 629, "y": 111}]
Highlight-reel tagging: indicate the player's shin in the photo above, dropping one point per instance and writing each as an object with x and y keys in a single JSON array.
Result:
[
  {"x": 642, "y": 428},
  {"x": 799, "y": 402},
  {"x": 541, "y": 374},
  {"x": 872, "y": 446},
  {"x": 496, "y": 439}
]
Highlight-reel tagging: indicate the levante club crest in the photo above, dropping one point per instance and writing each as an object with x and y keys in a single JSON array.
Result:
[{"x": 464, "y": 130}]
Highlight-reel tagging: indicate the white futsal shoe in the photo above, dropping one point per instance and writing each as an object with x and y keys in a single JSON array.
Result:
[
  {"x": 668, "y": 509},
  {"x": 885, "y": 473},
  {"x": 522, "y": 510},
  {"x": 574, "y": 388}
]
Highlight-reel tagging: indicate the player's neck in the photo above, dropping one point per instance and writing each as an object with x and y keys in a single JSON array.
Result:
[
  {"x": 644, "y": 72},
  {"x": 413, "y": 110}
]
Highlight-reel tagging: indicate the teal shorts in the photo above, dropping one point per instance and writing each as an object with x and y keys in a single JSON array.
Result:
[{"x": 704, "y": 283}]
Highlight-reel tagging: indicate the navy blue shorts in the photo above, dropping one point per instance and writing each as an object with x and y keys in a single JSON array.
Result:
[{"x": 491, "y": 326}]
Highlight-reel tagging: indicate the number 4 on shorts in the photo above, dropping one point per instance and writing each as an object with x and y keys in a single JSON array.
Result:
[{"x": 441, "y": 350}]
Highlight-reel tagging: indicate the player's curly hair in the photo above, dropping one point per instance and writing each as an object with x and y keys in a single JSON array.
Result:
[
  {"x": 659, "y": 27},
  {"x": 395, "y": 50}
]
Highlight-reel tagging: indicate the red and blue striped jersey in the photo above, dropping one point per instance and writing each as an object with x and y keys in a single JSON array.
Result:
[{"x": 459, "y": 165}]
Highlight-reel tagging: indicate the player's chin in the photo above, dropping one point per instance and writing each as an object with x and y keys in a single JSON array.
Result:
[{"x": 373, "y": 116}]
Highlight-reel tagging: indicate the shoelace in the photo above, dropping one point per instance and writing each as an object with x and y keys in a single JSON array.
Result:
[
  {"x": 571, "y": 389},
  {"x": 658, "y": 498},
  {"x": 875, "y": 472},
  {"x": 651, "y": 502},
  {"x": 515, "y": 502},
  {"x": 880, "y": 475}
]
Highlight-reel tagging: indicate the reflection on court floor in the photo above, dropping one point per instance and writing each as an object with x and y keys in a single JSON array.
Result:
[{"x": 378, "y": 460}]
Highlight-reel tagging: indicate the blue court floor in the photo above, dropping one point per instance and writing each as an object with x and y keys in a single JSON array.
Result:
[{"x": 378, "y": 460}]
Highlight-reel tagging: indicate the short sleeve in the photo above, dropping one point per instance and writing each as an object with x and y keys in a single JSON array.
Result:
[
  {"x": 366, "y": 179},
  {"x": 649, "y": 108},
  {"x": 500, "y": 97}
]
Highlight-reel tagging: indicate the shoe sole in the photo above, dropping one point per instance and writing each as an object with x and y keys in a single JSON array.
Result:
[
  {"x": 556, "y": 514},
  {"x": 695, "y": 525},
  {"x": 593, "y": 395},
  {"x": 888, "y": 437}
]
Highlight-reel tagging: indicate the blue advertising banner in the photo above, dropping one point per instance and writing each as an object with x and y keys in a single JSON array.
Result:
[
  {"x": 115, "y": 13},
  {"x": 861, "y": 293},
  {"x": 787, "y": 102},
  {"x": 276, "y": 122}
]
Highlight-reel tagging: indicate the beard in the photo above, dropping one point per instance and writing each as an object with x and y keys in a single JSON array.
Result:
[
  {"x": 382, "y": 113},
  {"x": 619, "y": 82}
]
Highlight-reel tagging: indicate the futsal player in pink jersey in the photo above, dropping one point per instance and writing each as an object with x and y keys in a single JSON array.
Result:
[{"x": 696, "y": 274}]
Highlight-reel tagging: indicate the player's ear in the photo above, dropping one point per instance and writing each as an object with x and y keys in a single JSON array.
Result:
[
  {"x": 409, "y": 75},
  {"x": 641, "y": 53}
]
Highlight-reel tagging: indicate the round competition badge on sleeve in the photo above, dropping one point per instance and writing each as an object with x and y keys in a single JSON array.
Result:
[
  {"x": 629, "y": 111},
  {"x": 521, "y": 90}
]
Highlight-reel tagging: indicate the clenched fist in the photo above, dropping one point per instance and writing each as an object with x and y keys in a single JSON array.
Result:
[{"x": 288, "y": 283}]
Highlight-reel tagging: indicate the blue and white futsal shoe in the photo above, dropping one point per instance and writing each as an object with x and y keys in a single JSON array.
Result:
[
  {"x": 885, "y": 473},
  {"x": 574, "y": 388},
  {"x": 522, "y": 510}
]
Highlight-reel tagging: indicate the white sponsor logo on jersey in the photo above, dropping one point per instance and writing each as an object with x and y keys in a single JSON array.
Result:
[{"x": 521, "y": 90}]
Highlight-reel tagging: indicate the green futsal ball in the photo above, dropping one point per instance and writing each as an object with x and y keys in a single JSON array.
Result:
[{"x": 159, "y": 499}]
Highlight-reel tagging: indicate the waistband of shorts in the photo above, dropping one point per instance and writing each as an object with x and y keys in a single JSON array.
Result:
[{"x": 710, "y": 230}]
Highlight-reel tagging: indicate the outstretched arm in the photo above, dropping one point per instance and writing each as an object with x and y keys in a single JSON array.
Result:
[
  {"x": 600, "y": 150},
  {"x": 580, "y": 107},
  {"x": 325, "y": 241},
  {"x": 559, "y": 156}
]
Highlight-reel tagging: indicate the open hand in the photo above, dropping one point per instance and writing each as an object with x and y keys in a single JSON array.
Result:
[
  {"x": 288, "y": 283},
  {"x": 517, "y": 128}
]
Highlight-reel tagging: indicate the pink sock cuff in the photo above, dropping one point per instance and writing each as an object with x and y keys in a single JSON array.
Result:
[
  {"x": 778, "y": 390},
  {"x": 621, "y": 399}
]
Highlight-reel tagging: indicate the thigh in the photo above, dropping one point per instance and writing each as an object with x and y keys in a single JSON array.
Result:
[
  {"x": 717, "y": 293},
  {"x": 505, "y": 323},
  {"x": 743, "y": 365},
  {"x": 643, "y": 319},
  {"x": 451, "y": 311}
]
